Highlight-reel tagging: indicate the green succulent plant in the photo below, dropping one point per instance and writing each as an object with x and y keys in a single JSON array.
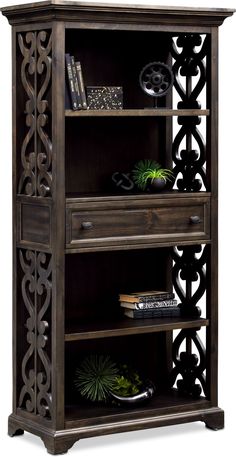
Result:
[
  {"x": 161, "y": 173},
  {"x": 128, "y": 382},
  {"x": 147, "y": 170},
  {"x": 96, "y": 377}
]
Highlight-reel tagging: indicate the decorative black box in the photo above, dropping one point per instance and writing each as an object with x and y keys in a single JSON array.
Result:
[{"x": 99, "y": 97}]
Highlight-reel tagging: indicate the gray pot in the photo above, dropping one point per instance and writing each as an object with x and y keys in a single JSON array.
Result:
[{"x": 157, "y": 184}]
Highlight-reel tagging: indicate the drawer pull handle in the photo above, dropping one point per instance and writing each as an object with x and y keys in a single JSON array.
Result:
[
  {"x": 86, "y": 225},
  {"x": 194, "y": 220}
]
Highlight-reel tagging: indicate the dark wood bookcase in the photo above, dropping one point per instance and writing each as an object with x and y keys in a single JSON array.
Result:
[{"x": 67, "y": 279}]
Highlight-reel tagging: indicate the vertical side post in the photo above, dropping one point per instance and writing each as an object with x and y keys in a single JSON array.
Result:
[
  {"x": 58, "y": 222},
  {"x": 212, "y": 178},
  {"x": 14, "y": 266}
]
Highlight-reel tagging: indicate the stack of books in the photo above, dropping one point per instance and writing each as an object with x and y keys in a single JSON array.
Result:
[
  {"x": 75, "y": 83},
  {"x": 149, "y": 304}
]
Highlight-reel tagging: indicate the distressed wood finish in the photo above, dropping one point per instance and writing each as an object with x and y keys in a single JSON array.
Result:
[
  {"x": 137, "y": 112},
  {"x": 58, "y": 220},
  {"x": 76, "y": 331},
  {"x": 138, "y": 222},
  {"x": 34, "y": 223},
  {"x": 92, "y": 13},
  {"x": 35, "y": 178},
  {"x": 212, "y": 272},
  {"x": 78, "y": 242},
  {"x": 35, "y": 393}
]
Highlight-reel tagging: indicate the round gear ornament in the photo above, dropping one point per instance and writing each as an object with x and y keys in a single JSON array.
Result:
[{"x": 156, "y": 79}]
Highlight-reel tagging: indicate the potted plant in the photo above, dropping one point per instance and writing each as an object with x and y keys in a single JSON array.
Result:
[
  {"x": 149, "y": 174},
  {"x": 99, "y": 379}
]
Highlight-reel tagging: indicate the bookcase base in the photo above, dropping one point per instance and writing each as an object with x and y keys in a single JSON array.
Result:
[{"x": 60, "y": 441}]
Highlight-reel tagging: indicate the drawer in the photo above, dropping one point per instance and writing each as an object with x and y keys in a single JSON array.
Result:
[{"x": 138, "y": 222}]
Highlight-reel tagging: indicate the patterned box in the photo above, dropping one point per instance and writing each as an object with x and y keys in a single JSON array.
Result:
[{"x": 99, "y": 97}]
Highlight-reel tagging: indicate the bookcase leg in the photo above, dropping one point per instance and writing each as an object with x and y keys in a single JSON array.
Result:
[
  {"x": 215, "y": 421},
  {"x": 55, "y": 446},
  {"x": 14, "y": 428}
]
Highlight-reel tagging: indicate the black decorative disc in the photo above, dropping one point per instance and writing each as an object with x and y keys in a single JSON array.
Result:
[{"x": 156, "y": 79}]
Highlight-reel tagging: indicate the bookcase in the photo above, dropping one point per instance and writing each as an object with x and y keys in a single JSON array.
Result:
[{"x": 66, "y": 278}]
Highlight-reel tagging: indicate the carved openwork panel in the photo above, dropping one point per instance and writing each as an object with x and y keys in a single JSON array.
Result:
[
  {"x": 189, "y": 281},
  {"x": 36, "y": 290},
  {"x": 189, "y": 269},
  {"x": 36, "y": 148},
  {"x": 189, "y": 150},
  {"x": 189, "y": 365}
]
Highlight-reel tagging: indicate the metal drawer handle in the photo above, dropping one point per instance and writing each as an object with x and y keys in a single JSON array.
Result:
[
  {"x": 194, "y": 220},
  {"x": 87, "y": 225}
]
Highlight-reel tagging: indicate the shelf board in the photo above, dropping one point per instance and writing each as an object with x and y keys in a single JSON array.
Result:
[
  {"x": 78, "y": 197},
  {"x": 127, "y": 326},
  {"x": 152, "y": 112},
  {"x": 163, "y": 403}
]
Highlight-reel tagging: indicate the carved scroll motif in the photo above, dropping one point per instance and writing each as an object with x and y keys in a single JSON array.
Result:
[
  {"x": 36, "y": 149},
  {"x": 189, "y": 268},
  {"x": 189, "y": 63},
  {"x": 188, "y": 365},
  {"x": 36, "y": 288}
]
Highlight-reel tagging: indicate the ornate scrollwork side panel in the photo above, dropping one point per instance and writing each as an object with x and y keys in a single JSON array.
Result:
[
  {"x": 189, "y": 268},
  {"x": 35, "y": 174},
  {"x": 188, "y": 365},
  {"x": 36, "y": 292},
  {"x": 189, "y": 55}
]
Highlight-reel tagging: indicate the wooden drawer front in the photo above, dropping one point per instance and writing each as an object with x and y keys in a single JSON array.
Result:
[{"x": 138, "y": 224}]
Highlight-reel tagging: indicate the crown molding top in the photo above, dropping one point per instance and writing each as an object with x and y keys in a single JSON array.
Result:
[{"x": 67, "y": 10}]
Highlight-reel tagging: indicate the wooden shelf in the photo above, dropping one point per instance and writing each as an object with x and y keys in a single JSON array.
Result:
[
  {"x": 68, "y": 199},
  {"x": 72, "y": 198},
  {"x": 152, "y": 112},
  {"x": 164, "y": 403},
  {"x": 127, "y": 326}
]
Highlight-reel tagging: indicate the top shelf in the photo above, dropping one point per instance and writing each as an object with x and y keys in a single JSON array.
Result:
[{"x": 152, "y": 112}]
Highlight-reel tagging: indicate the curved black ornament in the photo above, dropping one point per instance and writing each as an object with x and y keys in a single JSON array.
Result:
[
  {"x": 122, "y": 181},
  {"x": 156, "y": 79}
]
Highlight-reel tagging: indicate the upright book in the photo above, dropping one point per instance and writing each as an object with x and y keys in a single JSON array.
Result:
[
  {"x": 71, "y": 83},
  {"x": 76, "y": 83},
  {"x": 81, "y": 85}
]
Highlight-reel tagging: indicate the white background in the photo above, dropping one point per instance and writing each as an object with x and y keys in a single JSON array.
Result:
[{"x": 181, "y": 440}]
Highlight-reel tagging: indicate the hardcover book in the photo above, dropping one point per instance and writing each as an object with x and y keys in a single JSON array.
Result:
[
  {"x": 152, "y": 313},
  {"x": 81, "y": 85},
  {"x": 150, "y": 305},
  {"x": 71, "y": 84},
  {"x": 149, "y": 295},
  {"x": 76, "y": 82}
]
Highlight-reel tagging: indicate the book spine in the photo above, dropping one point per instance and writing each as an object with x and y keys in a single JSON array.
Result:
[
  {"x": 146, "y": 298},
  {"x": 76, "y": 83},
  {"x": 151, "y": 298},
  {"x": 71, "y": 82},
  {"x": 148, "y": 314},
  {"x": 150, "y": 305},
  {"x": 81, "y": 85}
]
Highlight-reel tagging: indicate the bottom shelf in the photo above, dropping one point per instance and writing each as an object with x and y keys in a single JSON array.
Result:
[{"x": 161, "y": 404}]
